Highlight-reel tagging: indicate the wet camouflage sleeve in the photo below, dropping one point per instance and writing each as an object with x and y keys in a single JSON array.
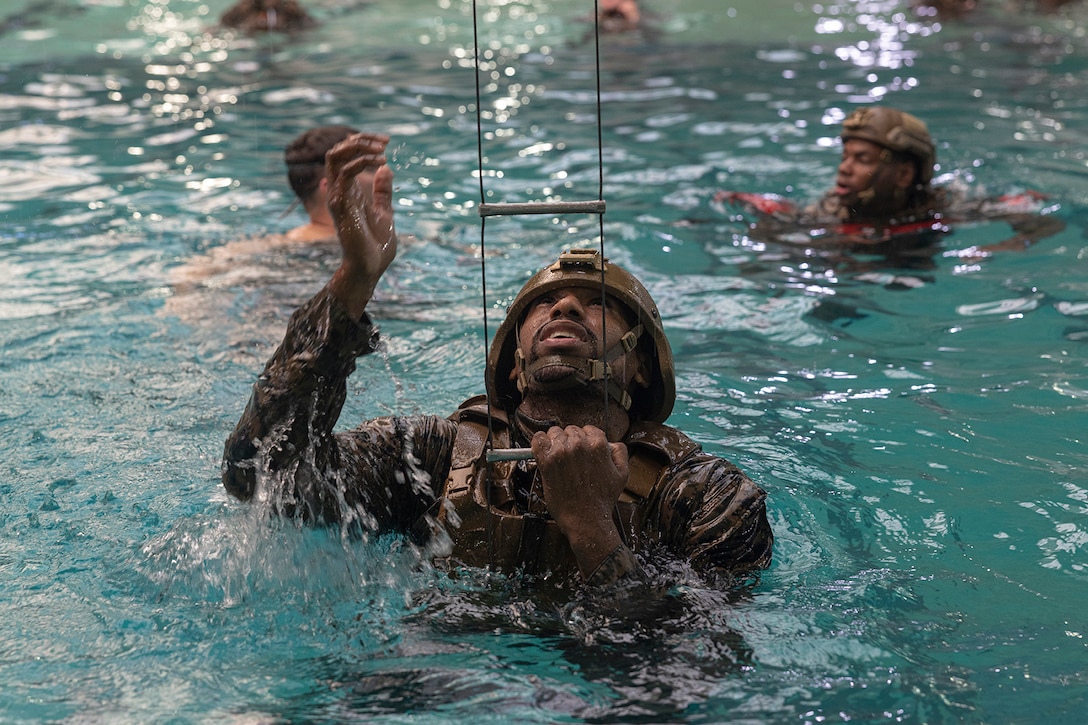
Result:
[
  {"x": 284, "y": 449},
  {"x": 710, "y": 512}
]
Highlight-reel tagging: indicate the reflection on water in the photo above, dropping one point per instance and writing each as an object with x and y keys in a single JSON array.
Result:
[{"x": 916, "y": 421}]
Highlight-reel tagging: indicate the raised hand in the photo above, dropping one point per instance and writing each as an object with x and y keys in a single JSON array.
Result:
[{"x": 360, "y": 192}]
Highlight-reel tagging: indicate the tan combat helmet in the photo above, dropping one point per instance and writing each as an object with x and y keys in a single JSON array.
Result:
[
  {"x": 895, "y": 130},
  {"x": 586, "y": 268}
]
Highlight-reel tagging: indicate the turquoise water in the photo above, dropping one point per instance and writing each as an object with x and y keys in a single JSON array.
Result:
[{"x": 923, "y": 444}]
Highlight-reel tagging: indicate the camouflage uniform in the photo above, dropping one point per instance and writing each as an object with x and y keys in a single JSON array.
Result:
[{"x": 420, "y": 475}]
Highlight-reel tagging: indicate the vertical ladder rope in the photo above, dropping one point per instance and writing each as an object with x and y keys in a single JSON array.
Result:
[
  {"x": 510, "y": 209},
  {"x": 490, "y": 444},
  {"x": 600, "y": 193}
]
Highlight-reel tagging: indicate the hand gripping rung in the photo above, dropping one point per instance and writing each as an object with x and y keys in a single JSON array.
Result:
[{"x": 543, "y": 207}]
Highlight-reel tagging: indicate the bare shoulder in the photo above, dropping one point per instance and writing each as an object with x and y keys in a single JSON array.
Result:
[{"x": 229, "y": 263}]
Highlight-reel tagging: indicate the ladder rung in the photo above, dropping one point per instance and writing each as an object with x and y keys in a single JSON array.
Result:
[
  {"x": 509, "y": 454},
  {"x": 543, "y": 207}
]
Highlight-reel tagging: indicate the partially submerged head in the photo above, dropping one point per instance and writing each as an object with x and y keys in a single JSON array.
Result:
[
  {"x": 888, "y": 160},
  {"x": 513, "y": 365},
  {"x": 617, "y": 16},
  {"x": 305, "y": 158},
  {"x": 266, "y": 16}
]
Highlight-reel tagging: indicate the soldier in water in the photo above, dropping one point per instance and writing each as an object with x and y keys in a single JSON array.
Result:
[
  {"x": 884, "y": 200},
  {"x": 580, "y": 373}
]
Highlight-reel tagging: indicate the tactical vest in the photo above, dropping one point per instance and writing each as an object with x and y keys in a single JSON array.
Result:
[{"x": 488, "y": 527}]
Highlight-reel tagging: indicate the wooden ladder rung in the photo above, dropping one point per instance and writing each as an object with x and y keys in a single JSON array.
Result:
[{"x": 543, "y": 207}]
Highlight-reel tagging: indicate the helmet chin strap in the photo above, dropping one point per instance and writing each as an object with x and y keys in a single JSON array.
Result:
[{"x": 582, "y": 370}]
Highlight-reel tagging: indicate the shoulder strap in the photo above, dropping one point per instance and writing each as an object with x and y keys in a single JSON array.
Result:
[
  {"x": 663, "y": 440},
  {"x": 471, "y": 418}
]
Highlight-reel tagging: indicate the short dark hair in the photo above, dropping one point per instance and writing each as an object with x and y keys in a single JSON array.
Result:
[
  {"x": 305, "y": 157},
  {"x": 267, "y": 16}
]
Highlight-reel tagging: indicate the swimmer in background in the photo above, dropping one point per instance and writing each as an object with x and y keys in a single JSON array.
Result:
[
  {"x": 305, "y": 159},
  {"x": 271, "y": 261},
  {"x": 617, "y": 16},
  {"x": 884, "y": 201},
  {"x": 622, "y": 18},
  {"x": 267, "y": 16}
]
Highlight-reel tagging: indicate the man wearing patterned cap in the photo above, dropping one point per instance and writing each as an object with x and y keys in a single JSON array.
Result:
[
  {"x": 883, "y": 195},
  {"x": 885, "y": 171}
]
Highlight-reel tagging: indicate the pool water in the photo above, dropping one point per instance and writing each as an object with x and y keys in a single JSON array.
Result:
[{"x": 920, "y": 431}]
